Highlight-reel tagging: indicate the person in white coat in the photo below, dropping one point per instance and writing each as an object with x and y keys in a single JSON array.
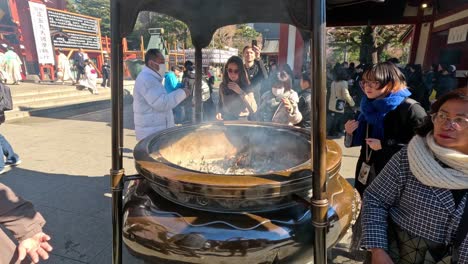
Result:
[
  {"x": 12, "y": 66},
  {"x": 63, "y": 68},
  {"x": 339, "y": 97},
  {"x": 152, "y": 105},
  {"x": 90, "y": 77}
]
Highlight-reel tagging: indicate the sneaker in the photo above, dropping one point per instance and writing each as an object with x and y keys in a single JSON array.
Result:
[{"x": 12, "y": 164}]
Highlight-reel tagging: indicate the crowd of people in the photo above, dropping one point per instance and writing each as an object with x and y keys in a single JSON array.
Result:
[
  {"x": 344, "y": 89},
  {"x": 247, "y": 91},
  {"x": 82, "y": 73},
  {"x": 412, "y": 129}
]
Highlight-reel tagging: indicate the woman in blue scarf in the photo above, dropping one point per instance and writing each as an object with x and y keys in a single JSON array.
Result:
[{"x": 386, "y": 123}]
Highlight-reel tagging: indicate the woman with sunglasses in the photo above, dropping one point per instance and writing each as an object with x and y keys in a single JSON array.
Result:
[
  {"x": 386, "y": 122},
  {"x": 236, "y": 98},
  {"x": 416, "y": 210}
]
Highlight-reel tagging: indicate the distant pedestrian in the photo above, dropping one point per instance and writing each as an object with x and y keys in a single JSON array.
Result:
[
  {"x": 188, "y": 80},
  {"x": 3, "y": 74},
  {"x": 13, "y": 66},
  {"x": 80, "y": 59},
  {"x": 12, "y": 159},
  {"x": 106, "y": 70},
  {"x": 339, "y": 97},
  {"x": 90, "y": 77},
  {"x": 63, "y": 68},
  {"x": 305, "y": 100},
  {"x": 171, "y": 83},
  {"x": 446, "y": 80}
]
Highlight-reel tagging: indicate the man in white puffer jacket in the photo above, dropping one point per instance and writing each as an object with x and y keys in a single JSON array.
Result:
[{"x": 152, "y": 105}]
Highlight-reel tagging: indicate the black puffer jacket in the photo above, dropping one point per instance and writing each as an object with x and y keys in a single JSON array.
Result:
[
  {"x": 445, "y": 84},
  {"x": 305, "y": 107}
]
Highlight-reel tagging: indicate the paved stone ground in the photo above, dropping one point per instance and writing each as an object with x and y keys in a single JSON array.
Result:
[{"x": 65, "y": 173}]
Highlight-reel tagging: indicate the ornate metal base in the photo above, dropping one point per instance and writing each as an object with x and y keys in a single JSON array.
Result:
[{"x": 160, "y": 231}]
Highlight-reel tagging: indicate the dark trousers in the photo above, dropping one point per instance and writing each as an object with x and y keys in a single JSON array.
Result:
[
  {"x": 79, "y": 72},
  {"x": 105, "y": 80},
  {"x": 178, "y": 112},
  {"x": 334, "y": 123}
]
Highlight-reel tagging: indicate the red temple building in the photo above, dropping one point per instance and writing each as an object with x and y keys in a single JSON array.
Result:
[{"x": 17, "y": 31}]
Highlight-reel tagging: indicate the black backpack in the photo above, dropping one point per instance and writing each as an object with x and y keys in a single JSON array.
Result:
[{"x": 6, "y": 101}]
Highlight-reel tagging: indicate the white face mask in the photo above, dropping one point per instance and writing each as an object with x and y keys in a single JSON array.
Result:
[
  {"x": 162, "y": 69},
  {"x": 277, "y": 91}
]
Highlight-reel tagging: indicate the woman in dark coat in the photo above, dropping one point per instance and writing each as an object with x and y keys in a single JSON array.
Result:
[
  {"x": 386, "y": 123},
  {"x": 236, "y": 97}
]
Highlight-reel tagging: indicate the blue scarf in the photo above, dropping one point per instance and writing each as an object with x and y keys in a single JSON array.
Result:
[{"x": 373, "y": 112}]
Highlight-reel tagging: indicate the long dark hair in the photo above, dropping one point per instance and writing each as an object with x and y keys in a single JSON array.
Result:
[
  {"x": 457, "y": 94},
  {"x": 243, "y": 80}
]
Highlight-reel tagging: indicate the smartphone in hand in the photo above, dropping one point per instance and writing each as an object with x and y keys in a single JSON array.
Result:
[{"x": 254, "y": 42}]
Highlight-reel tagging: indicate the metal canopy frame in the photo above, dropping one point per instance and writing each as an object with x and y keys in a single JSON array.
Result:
[{"x": 203, "y": 17}]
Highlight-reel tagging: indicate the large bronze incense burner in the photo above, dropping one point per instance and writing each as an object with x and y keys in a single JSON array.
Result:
[{"x": 230, "y": 192}]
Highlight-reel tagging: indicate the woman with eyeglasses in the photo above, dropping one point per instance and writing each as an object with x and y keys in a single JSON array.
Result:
[
  {"x": 416, "y": 210},
  {"x": 236, "y": 98},
  {"x": 386, "y": 122}
]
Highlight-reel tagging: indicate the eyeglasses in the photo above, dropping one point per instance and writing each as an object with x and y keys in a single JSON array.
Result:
[
  {"x": 235, "y": 71},
  {"x": 458, "y": 123},
  {"x": 371, "y": 84}
]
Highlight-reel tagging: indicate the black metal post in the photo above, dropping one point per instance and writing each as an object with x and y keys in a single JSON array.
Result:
[
  {"x": 319, "y": 200},
  {"x": 198, "y": 84},
  {"x": 117, "y": 172}
]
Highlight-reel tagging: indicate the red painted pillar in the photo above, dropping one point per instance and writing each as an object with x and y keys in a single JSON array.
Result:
[
  {"x": 283, "y": 44},
  {"x": 298, "y": 54},
  {"x": 416, "y": 36}
]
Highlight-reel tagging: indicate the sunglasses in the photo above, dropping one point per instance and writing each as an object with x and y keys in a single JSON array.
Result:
[{"x": 235, "y": 71}]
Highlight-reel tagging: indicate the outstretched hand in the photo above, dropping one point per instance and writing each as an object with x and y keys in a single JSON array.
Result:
[{"x": 36, "y": 247}]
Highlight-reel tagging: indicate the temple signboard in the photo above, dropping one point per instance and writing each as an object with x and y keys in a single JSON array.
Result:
[
  {"x": 45, "y": 54},
  {"x": 74, "y": 31}
]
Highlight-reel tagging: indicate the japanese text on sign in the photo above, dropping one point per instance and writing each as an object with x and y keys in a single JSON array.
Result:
[
  {"x": 69, "y": 21},
  {"x": 76, "y": 40},
  {"x": 41, "y": 30}
]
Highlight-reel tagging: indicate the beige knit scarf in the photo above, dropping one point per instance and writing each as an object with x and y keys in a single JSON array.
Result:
[{"x": 422, "y": 154}]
